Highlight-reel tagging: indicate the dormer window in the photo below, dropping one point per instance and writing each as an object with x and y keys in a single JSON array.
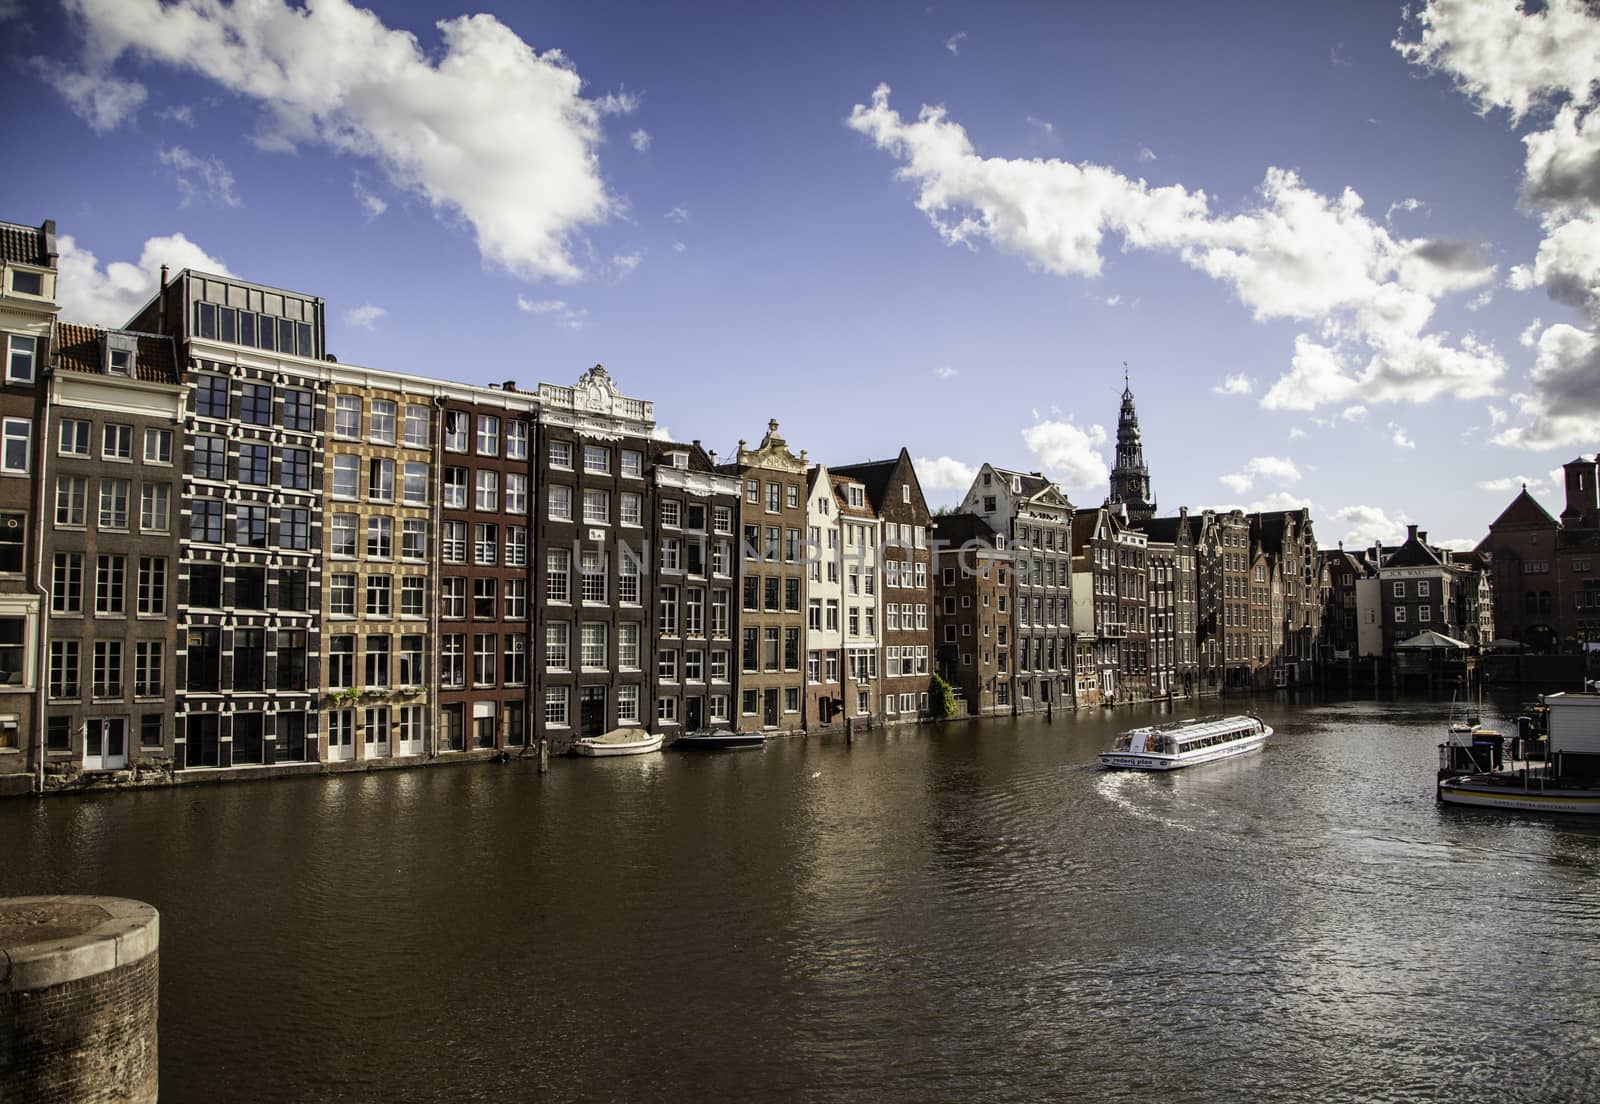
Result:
[
  {"x": 27, "y": 283},
  {"x": 680, "y": 460},
  {"x": 1016, "y": 485},
  {"x": 120, "y": 349},
  {"x": 857, "y": 495}
]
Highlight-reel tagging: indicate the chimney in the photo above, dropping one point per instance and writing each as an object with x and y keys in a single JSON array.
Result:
[
  {"x": 509, "y": 385},
  {"x": 1411, "y": 533},
  {"x": 47, "y": 232},
  {"x": 1423, "y": 537}
]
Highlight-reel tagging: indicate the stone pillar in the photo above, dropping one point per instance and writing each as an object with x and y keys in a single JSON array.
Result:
[{"x": 78, "y": 995}]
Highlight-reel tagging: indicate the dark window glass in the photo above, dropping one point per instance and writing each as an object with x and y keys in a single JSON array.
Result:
[
  {"x": 303, "y": 331},
  {"x": 250, "y": 588},
  {"x": 285, "y": 336},
  {"x": 249, "y": 659},
  {"x": 211, "y": 396},
  {"x": 255, "y": 406},
  {"x": 205, "y": 659},
  {"x": 247, "y": 328},
  {"x": 28, "y": 283},
  {"x": 210, "y": 458},
  {"x": 152, "y": 730},
  {"x": 291, "y": 737},
  {"x": 254, "y": 463},
  {"x": 247, "y": 745},
  {"x": 11, "y": 545},
  {"x": 58, "y": 734},
  {"x": 204, "y": 747},
  {"x": 297, "y": 410},
  {"x": 227, "y": 328},
  {"x": 205, "y": 520},
  {"x": 291, "y": 659},
  {"x": 292, "y": 590},
  {"x": 265, "y": 333},
  {"x": 205, "y": 585},
  {"x": 206, "y": 320},
  {"x": 250, "y": 526}
]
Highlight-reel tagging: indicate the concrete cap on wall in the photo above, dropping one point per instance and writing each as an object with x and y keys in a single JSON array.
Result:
[{"x": 50, "y": 940}]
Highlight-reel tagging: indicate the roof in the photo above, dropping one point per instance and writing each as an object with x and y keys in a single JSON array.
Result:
[
  {"x": 840, "y": 482},
  {"x": 24, "y": 245},
  {"x": 1029, "y": 483},
  {"x": 78, "y": 349},
  {"x": 874, "y": 475},
  {"x": 958, "y": 529},
  {"x": 1163, "y": 530},
  {"x": 1524, "y": 510},
  {"x": 1431, "y": 639},
  {"x": 1413, "y": 553}
]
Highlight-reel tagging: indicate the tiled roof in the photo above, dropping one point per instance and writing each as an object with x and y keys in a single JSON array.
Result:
[
  {"x": 957, "y": 529},
  {"x": 1524, "y": 510},
  {"x": 840, "y": 482},
  {"x": 875, "y": 475},
  {"x": 1413, "y": 553},
  {"x": 78, "y": 350},
  {"x": 698, "y": 459},
  {"x": 1165, "y": 530},
  {"x": 1030, "y": 483},
  {"x": 22, "y": 244}
]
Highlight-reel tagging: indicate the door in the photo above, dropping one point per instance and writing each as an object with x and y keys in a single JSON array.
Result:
[
  {"x": 375, "y": 734},
  {"x": 693, "y": 715},
  {"x": 105, "y": 744},
  {"x": 769, "y": 715},
  {"x": 341, "y": 735},
  {"x": 592, "y": 711},
  {"x": 408, "y": 731}
]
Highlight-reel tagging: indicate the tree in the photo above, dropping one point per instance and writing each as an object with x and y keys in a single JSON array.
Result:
[{"x": 941, "y": 699}]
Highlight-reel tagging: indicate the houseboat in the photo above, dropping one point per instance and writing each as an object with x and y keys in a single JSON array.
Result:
[{"x": 1186, "y": 743}]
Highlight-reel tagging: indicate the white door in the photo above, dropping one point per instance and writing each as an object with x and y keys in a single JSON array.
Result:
[
  {"x": 408, "y": 730},
  {"x": 105, "y": 744},
  {"x": 341, "y": 735},
  {"x": 375, "y": 734}
]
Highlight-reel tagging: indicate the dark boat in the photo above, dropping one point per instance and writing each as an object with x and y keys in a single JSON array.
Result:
[{"x": 719, "y": 741}]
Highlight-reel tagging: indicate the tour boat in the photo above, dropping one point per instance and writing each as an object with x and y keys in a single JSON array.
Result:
[
  {"x": 1186, "y": 743},
  {"x": 619, "y": 741},
  {"x": 719, "y": 741},
  {"x": 1565, "y": 778}
]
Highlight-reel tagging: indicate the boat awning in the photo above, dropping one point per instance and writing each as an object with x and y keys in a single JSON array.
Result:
[
  {"x": 1504, "y": 645},
  {"x": 1431, "y": 639}
]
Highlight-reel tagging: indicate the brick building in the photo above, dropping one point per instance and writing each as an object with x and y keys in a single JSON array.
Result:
[{"x": 972, "y": 612}]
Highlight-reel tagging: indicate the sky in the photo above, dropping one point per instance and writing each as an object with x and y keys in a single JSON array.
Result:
[{"x": 1349, "y": 252}]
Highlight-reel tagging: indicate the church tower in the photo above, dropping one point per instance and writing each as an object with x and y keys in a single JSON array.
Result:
[{"x": 1130, "y": 479}]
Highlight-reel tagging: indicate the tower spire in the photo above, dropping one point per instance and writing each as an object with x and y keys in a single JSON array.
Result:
[{"x": 1130, "y": 479}]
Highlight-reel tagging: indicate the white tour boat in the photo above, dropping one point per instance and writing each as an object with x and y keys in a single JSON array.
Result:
[
  {"x": 1186, "y": 743},
  {"x": 619, "y": 741}
]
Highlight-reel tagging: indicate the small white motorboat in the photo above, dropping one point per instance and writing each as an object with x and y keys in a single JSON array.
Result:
[{"x": 619, "y": 741}]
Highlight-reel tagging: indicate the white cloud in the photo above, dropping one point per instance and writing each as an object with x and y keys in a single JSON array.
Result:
[
  {"x": 371, "y": 205},
  {"x": 1044, "y": 125},
  {"x": 182, "y": 114},
  {"x": 1146, "y": 154},
  {"x": 1296, "y": 255},
  {"x": 1355, "y": 413},
  {"x": 1070, "y": 454},
  {"x": 1483, "y": 299},
  {"x": 621, "y": 102},
  {"x": 1279, "y": 469},
  {"x": 1455, "y": 544},
  {"x": 1503, "y": 55},
  {"x": 1514, "y": 483},
  {"x": 1235, "y": 384},
  {"x": 366, "y": 316},
  {"x": 680, "y": 213},
  {"x": 640, "y": 139},
  {"x": 570, "y": 317},
  {"x": 679, "y": 247},
  {"x": 1366, "y": 525},
  {"x": 1564, "y": 407},
  {"x": 944, "y": 473},
  {"x": 1400, "y": 439},
  {"x": 1567, "y": 267},
  {"x": 1278, "y": 500},
  {"x": 1410, "y": 203},
  {"x": 1530, "y": 336},
  {"x": 486, "y": 129},
  {"x": 99, "y": 99},
  {"x": 625, "y": 263},
  {"x": 1336, "y": 56},
  {"x": 110, "y": 296},
  {"x": 1497, "y": 416},
  {"x": 953, "y": 43},
  {"x": 661, "y": 433},
  {"x": 1296, "y": 433},
  {"x": 207, "y": 177},
  {"x": 944, "y": 371}
]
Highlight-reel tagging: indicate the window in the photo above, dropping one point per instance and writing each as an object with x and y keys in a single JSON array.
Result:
[
  {"x": 667, "y": 667},
  {"x": 291, "y": 661},
  {"x": 630, "y": 509},
  {"x": 413, "y": 539},
  {"x": 411, "y": 669},
  {"x": 21, "y": 355},
  {"x": 114, "y": 503},
  {"x": 667, "y": 611},
  {"x": 597, "y": 459},
  {"x": 516, "y": 546},
  {"x": 346, "y": 476},
  {"x": 380, "y": 480},
  {"x": 1422, "y": 590},
  {"x": 250, "y": 526},
  {"x": 382, "y": 421},
  {"x": 722, "y": 519},
  {"x": 560, "y": 503},
  {"x": 596, "y": 508},
  {"x": 255, "y": 462},
  {"x": 210, "y": 458},
  {"x": 485, "y": 599},
  {"x": 560, "y": 455},
  {"x": 107, "y": 672},
  {"x": 74, "y": 438},
  {"x": 488, "y": 490},
  {"x": 558, "y": 566},
  {"x": 671, "y": 514},
  {"x": 514, "y": 671},
  {"x": 380, "y": 596},
  {"x": 296, "y": 469},
  {"x": 416, "y": 429},
  {"x": 66, "y": 583},
  {"x": 65, "y": 669},
  {"x": 116, "y": 442},
  {"x": 342, "y": 535},
  {"x": 592, "y": 568},
  {"x": 413, "y": 596},
  {"x": 594, "y": 645},
  {"x": 297, "y": 410},
  {"x": 155, "y": 503},
  {"x": 485, "y": 543},
  {"x": 516, "y": 440},
  {"x": 453, "y": 597},
  {"x": 483, "y": 659},
  {"x": 149, "y": 663},
  {"x": 774, "y": 497},
  {"x": 255, "y": 404},
  {"x": 455, "y": 430},
  {"x": 453, "y": 660},
  {"x": 294, "y": 528},
  {"x": 205, "y": 585},
  {"x": 27, "y": 283},
  {"x": 341, "y": 672},
  {"x": 516, "y": 493},
  {"x": 152, "y": 596},
  {"x": 377, "y": 673},
  {"x": 342, "y": 594},
  {"x": 628, "y": 637},
  {"x": 453, "y": 542},
  {"x": 516, "y": 591},
  {"x": 488, "y": 435},
  {"x": 211, "y": 397},
  {"x": 17, "y": 434},
  {"x": 556, "y": 645},
  {"x": 1399, "y": 590},
  {"x": 347, "y": 417},
  {"x": 632, "y": 462},
  {"x": 380, "y": 538},
  {"x": 627, "y": 705},
  {"x": 555, "y": 706}
]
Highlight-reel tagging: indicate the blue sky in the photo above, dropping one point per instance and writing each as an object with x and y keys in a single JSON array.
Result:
[{"x": 718, "y": 203}]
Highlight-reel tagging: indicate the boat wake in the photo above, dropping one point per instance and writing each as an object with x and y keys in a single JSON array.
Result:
[{"x": 1117, "y": 786}]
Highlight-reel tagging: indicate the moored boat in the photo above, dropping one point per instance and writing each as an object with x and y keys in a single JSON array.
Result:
[
  {"x": 1187, "y": 743},
  {"x": 1566, "y": 779},
  {"x": 719, "y": 741},
  {"x": 619, "y": 741}
]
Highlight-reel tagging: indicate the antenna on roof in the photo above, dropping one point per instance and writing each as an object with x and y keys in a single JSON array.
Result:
[{"x": 1124, "y": 375}]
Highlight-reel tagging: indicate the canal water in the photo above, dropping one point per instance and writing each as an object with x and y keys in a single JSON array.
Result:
[{"x": 973, "y": 912}]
